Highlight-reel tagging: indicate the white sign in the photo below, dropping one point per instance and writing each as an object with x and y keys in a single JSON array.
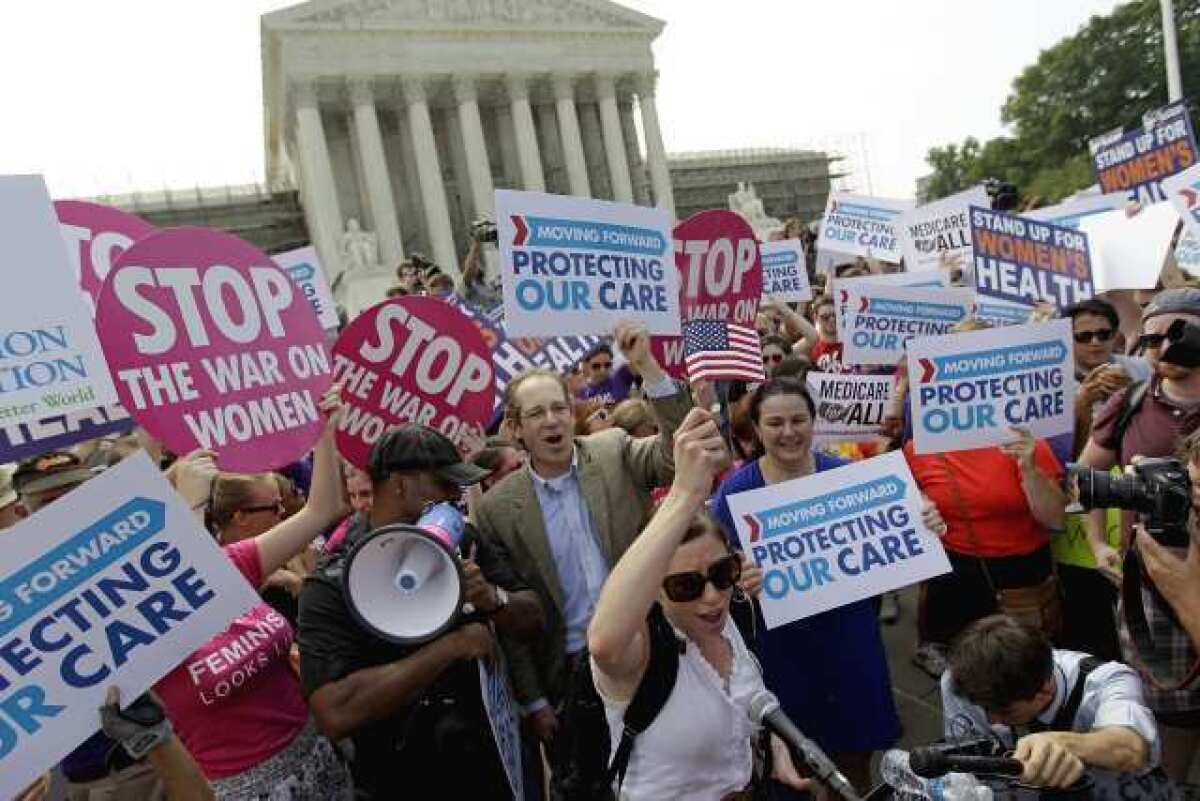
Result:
[
  {"x": 304, "y": 267},
  {"x": 969, "y": 390},
  {"x": 501, "y": 709},
  {"x": 785, "y": 275},
  {"x": 1128, "y": 250},
  {"x": 937, "y": 236},
  {"x": 875, "y": 323},
  {"x": 111, "y": 585},
  {"x": 572, "y": 265},
  {"x": 1187, "y": 253},
  {"x": 897, "y": 279},
  {"x": 1184, "y": 191},
  {"x": 50, "y": 358},
  {"x": 836, "y": 537},
  {"x": 850, "y": 408},
  {"x": 1070, "y": 213},
  {"x": 863, "y": 226}
]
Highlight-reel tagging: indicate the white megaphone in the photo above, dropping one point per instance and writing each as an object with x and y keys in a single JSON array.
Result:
[{"x": 404, "y": 583}]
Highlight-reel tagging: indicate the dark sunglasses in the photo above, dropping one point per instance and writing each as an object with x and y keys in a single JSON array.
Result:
[
  {"x": 1103, "y": 335},
  {"x": 684, "y": 587},
  {"x": 601, "y": 365},
  {"x": 1151, "y": 341},
  {"x": 772, "y": 358},
  {"x": 277, "y": 508}
]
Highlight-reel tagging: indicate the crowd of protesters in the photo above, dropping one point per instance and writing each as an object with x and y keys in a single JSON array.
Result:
[{"x": 599, "y": 527}]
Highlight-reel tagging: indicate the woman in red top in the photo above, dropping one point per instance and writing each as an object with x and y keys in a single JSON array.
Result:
[{"x": 1000, "y": 505}]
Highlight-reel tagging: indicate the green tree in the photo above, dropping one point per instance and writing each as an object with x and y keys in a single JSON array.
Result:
[{"x": 1103, "y": 77}]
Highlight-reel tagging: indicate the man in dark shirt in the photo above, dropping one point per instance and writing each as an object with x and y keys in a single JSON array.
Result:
[
  {"x": 414, "y": 713},
  {"x": 604, "y": 383}
]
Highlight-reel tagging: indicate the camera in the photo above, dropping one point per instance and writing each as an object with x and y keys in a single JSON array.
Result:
[
  {"x": 483, "y": 231},
  {"x": 1183, "y": 346},
  {"x": 1159, "y": 490}
]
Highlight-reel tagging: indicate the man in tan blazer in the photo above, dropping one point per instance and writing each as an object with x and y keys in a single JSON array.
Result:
[{"x": 569, "y": 514}]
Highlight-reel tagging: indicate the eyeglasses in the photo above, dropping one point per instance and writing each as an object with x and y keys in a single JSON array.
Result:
[
  {"x": 772, "y": 358},
  {"x": 1102, "y": 335},
  {"x": 538, "y": 413},
  {"x": 1151, "y": 341},
  {"x": 684, "y": 587},
  {"x": 276, "y": 507}
]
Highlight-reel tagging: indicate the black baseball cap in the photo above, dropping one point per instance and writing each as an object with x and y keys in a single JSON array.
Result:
[
  {"x": 48, "y": 471},
  {"x": 417, "y": 447}
]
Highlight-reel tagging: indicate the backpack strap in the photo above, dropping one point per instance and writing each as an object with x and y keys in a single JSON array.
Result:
[
  {"x": 658, "y": 682},
  {"x": 1065, "y": 719},
  {"x": 1131, "y": 402}
]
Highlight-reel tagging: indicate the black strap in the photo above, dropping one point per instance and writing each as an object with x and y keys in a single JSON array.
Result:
[
  {"x": 1065, "y": 719},
  {"x": 1131, "y": 402},
  {"x": 658, "y": 682}
]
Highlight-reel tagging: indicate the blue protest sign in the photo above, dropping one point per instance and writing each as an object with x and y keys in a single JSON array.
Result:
[{"x": 1134, "y": 163}]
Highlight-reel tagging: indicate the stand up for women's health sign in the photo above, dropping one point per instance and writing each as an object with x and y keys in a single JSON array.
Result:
[
  {"x": 785, "y": 274},
  {"x": 212, "y": 346},
  {"x": 970, "y": 390},
  {"x": 579, "y": 266},
  {"x": 875, "y": 322},
  {"x": 863, "y": 226},
  {"x": 411, "y": 360},
  {"x": 836, "y": 537},
  {"x": 50, "y": 359},
  {"x": 113, "y": 585},
  {"x": 720, "y": 279},
  {"x": 1134, "y": 163},
  {"x": 1020, "y": 263}
]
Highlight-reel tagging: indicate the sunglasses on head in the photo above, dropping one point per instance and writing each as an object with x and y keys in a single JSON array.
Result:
[
  {"x": 685, "y": 587},
  {"x": 1103, "y": 335},
  {"x": 1151, "y": 341}
]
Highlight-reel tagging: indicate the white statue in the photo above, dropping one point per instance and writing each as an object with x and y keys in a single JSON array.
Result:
[
  {"x": 359, "y": 248},
  {"x": 745, "y": 201}
]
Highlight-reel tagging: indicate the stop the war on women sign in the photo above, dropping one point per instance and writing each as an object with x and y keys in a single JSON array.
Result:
[
  {"x": 1020, "y": 262},
  {"x": 875, "y": 322},
  {"x": 969, "y": 390},
  {"x": 213, "y": 346},
  {"x": 572, "y": 265},
  {"x": 112, "y": 585},
  {"x": 836, "y": 537}
]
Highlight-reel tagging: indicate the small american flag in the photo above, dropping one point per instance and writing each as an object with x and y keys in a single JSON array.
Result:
[{"x": 716, "y": 349}]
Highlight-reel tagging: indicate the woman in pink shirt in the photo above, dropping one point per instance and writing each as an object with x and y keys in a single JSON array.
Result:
[{"x": 235, "y": 702}]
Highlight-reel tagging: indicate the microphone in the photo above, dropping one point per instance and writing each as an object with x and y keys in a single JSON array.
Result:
[
  {"x": 933, "y": 763},
  {"x": 766, "y": 712}
]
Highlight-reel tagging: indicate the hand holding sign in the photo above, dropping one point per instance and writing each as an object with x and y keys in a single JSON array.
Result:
[{"x": 212, "y": 346}]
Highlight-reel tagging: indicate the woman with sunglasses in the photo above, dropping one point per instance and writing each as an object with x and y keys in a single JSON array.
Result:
[
  {"x": 700, "y": 746},
  {"x": 829, "y": 670},
  {"x": 235, "y": 702}
]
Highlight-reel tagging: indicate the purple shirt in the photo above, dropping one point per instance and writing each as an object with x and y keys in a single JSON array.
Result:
[{"x": 613, "y": 389}]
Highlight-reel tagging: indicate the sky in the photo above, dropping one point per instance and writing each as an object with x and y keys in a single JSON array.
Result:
[{"x": 123, "y": 95}]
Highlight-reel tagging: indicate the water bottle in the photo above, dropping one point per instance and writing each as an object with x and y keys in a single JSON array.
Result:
[{"x": 908, "y": 786}]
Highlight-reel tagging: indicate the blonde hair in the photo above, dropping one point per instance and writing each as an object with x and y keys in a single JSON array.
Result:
[{"x": 233, "y": 491}]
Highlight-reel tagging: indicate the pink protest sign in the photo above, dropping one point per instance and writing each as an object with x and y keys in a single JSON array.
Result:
[
  {"x": 211, "y": 345},
  {"x": 96, "y": 236},
  {"x": 411, "y": 359},
  {"x": 720, "y": 278}
]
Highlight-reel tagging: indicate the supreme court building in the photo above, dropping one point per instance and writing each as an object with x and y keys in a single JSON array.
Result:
[{"x": 403, "y": 115}]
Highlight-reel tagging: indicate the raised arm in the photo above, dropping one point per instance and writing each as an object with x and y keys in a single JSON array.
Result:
[
  {"x": 281, "y": 542},
  {"x": 617, "y": 636},
  {"x": 1046, "y": 498}
]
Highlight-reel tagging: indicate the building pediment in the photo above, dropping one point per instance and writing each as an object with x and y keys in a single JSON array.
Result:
[{"x": 458, "y": 15}]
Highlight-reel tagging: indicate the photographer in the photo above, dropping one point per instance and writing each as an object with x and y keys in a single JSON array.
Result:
[
  {"x": 1149, "y": 421},
  {"x": 1061, "y": 711},
  {"x": 475, "y": 287}
]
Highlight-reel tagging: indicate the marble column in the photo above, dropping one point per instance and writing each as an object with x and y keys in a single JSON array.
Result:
[
  {"x": 509, "y": 159},
  {"x": 656, "y": 153},
  {"x": 568, "y": 126},
  {"x": 429, "y": 171},
  {"x": 527, "y": 144},
  {"x": 375, "y": 172},
  {"x": 633, "y": 153},
  {"x": 320, "y": 191},
  {"x": 478, "y": 169},
  {"x": 592, "y": 136},
  {"x": 614, "y": 139}
]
